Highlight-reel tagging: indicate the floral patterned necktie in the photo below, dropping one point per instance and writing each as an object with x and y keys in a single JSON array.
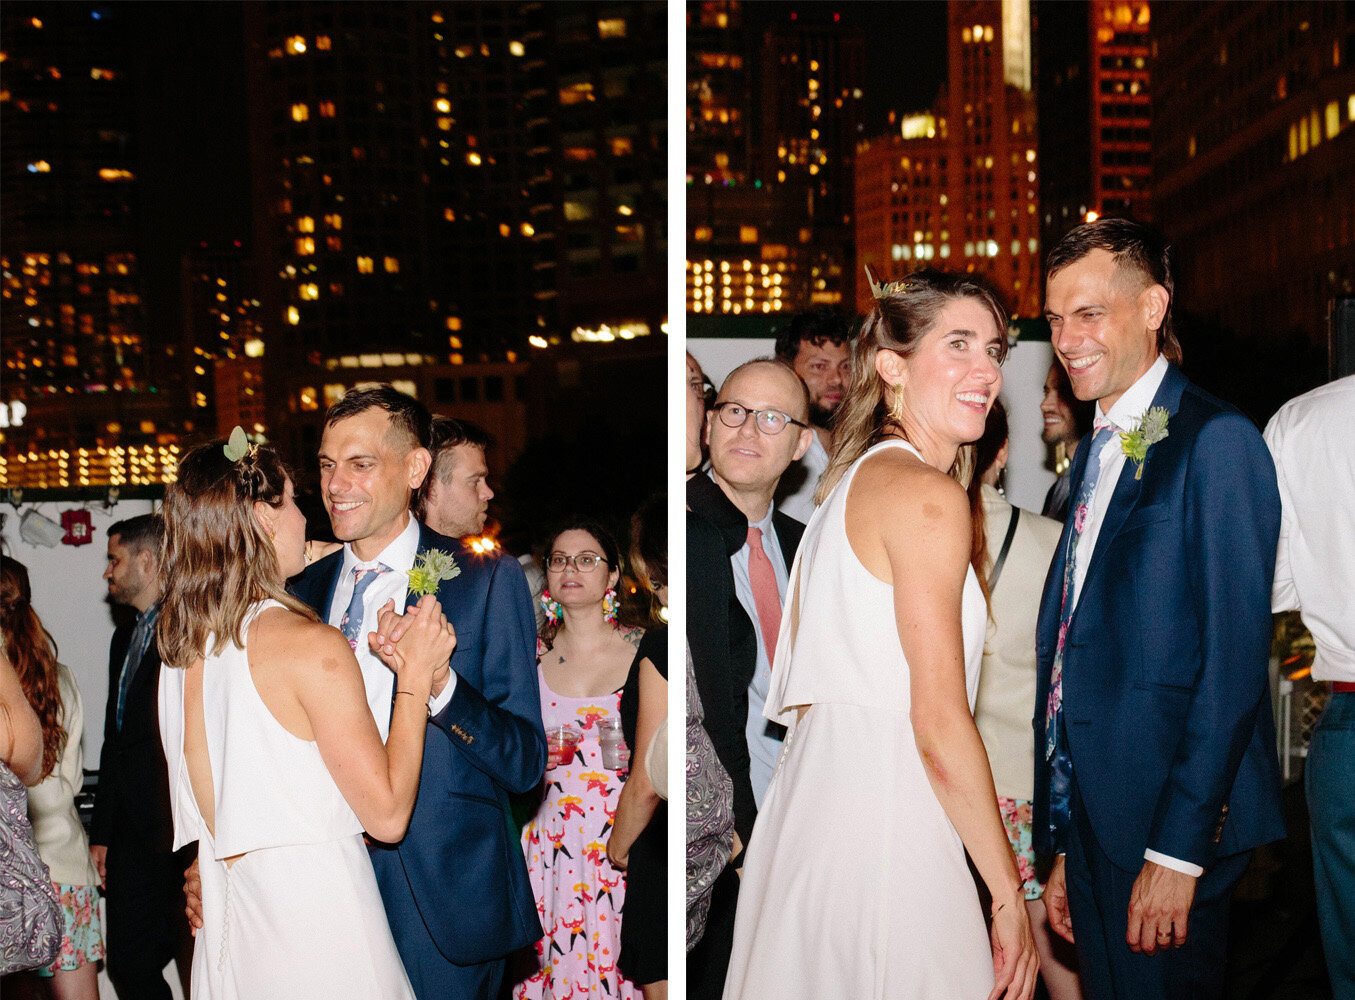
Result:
[
  {"x": 351, "y": 622},
  {"x": 1079, "y": 513}
]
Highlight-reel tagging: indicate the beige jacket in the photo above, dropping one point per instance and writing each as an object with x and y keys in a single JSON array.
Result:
[
  {"x": 1006, "y": 702},
  {"x": 51, "y": 802}
]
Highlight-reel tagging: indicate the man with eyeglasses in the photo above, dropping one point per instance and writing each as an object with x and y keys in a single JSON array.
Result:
[{"x": 757, "y": 426}]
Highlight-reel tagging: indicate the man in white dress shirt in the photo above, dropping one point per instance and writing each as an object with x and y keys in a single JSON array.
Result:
[
  {"x": 818, "y": 346},
  {"x": 1312, "y": 439},
  {"x": 757, "y": 427}
]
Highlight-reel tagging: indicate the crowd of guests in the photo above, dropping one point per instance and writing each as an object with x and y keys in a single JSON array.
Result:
[
  {"x": 313, "y": 753},
  {"x": 872, "y": 628}
]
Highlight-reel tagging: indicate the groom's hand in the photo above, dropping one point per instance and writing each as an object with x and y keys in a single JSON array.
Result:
[
  {"x": 390, "y": 629},
  {"x": 1056, "y": 899},
  {"x": 1159, "y": 905}
]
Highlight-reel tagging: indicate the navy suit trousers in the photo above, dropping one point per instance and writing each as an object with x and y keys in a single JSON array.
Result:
[{"x": 1098, "y": 900}]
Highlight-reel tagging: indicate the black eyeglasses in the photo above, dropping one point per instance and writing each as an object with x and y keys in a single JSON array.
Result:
[{"x": 768, "y": 421}]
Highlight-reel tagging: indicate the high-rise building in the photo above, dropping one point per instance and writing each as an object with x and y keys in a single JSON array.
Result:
[
  {"x": 720, "y": 64},
  {"x": 1254, "y": 159},
  {"x": 598, "y": 126},
  {"x": 76, "y": 356},
  {"x": 957, "y": 187},
  {"x": 772, "y": 125},
  {"x": 1094, "y": 110}
]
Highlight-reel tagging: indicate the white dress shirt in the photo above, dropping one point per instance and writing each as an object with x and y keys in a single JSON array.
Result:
[
  {"x": 1124, "y": 416},
  {"x": 1312, "y": 439},
  {"x": 763, "y": 750},
  {"x": 799, "y": 504},
  {"x": 377, "y": 678}
]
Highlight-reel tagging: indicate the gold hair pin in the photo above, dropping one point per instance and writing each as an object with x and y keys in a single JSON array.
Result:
[{"x": 883, "y": 290}]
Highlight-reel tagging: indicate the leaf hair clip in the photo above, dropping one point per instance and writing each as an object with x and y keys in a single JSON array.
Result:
[
  {"x": 881, "y": 290},
  {"x": 238, "y": 446}
]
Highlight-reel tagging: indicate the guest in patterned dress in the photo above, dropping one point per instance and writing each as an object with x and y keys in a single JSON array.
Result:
[
  {"x": 50, "y": 689},
  {"x": 585, "y": 649}
]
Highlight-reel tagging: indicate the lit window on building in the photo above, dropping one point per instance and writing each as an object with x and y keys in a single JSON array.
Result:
[
  {"x": 293, "y": 315},
  {"x": 364, "y": 265},
  {"x": 748, "y": 234},
  {"x": 473, "y": 158},
  {"x": 305, "y": 245},
  {"x": 528, "y": 229},
  {"x": 322, "y": 43},
  {"x": 253, "y": 348},
  {"x": 576, "y": 93},
  {"x": 309, "y": 292},
  {"x": 308, "y": 399},
  {"x": 326, "y": 109},
  {"x": 295, "y": 45},
  {"x": 577, "y": 211},
  {"x": 115, "y": 174},
  {"x": 391, "y": 265},
  {"x": 98, "y": 73},
  {"x": 449, "y": 214},
  {"x": 516, "y": 48},
  {"x": 305, "y": 224},
  {"x": 621, "y": 146},
  {"x": 300, "y": 113},
  {"x": 334, "y": 243},
  {"x": 579, "y": 154},
  {"x": 612, "y": 27}
]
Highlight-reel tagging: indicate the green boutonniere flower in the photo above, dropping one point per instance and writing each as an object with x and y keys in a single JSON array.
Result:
[
  {"x": 430, "y": 569},
  {"x": 1152, "y": 429}
]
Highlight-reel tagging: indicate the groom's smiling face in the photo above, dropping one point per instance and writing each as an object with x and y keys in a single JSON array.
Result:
[{"x": 368, "y": 471}]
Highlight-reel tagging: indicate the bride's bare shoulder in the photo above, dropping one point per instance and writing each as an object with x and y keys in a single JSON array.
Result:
[
  {"x": 897, "y": 480},
  {"x": 299, "y": 640}
]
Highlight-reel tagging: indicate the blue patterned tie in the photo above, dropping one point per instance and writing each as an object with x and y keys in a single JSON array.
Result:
[
  {"x": 1056, "y": 752},
  {"x": 351, "y": 622}
]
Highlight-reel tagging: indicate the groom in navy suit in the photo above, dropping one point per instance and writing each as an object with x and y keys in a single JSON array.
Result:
[
  {"x": 455, "y": 889},
  {"x": 1156, "y": 772}
]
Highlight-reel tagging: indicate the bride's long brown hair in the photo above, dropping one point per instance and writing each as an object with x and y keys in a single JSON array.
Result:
[
  {"x": 217, "y": 560},
  {"x": 897, "y": 323}
]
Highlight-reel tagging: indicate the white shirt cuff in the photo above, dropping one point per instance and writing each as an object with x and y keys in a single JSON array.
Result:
[
  {"x": 1175, "y": 864},
  {"x": 437, "y": 704}
]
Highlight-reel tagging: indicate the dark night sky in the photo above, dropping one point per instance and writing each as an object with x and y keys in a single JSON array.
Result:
[
  {"x": 905, "y": 49},
  {"x": 193, "y": 171}
]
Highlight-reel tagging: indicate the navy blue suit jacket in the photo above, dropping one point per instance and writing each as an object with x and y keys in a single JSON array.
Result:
[
  {"x": 1166, "y": 698},
  {"x": 460, "y": 868}
]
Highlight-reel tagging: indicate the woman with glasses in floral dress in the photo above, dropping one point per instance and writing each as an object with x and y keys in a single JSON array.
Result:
[{"x": 585, "y": 651}]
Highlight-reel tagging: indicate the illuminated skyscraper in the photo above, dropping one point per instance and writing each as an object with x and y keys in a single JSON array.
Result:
[
  {"x": 1095, "y": 111},
  {"x": 959, "y": 184},
  {"x": 72, "y": 321},
  {"x": 772, "y": 127},
  {"x": 1254, "y": 159}
]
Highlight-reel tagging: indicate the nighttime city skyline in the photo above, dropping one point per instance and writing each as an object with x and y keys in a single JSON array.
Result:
[
  {"x": 1004, "y": 124},
  {"x": 230, "y": 213}
]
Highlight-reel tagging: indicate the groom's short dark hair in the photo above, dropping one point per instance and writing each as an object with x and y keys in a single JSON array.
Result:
[
  {"x": 1135, "y": 246},
  {"x": 407, "y": 415}
]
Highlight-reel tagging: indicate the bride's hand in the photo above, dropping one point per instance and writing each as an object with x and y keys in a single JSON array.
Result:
[
  {"x": 1016, "y": 964},
  {"x": 416, "y": 645}
]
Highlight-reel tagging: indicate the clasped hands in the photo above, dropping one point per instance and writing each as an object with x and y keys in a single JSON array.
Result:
[
  {"x": 406, "y": 642},
  {"x": 1159, "y": 906}
]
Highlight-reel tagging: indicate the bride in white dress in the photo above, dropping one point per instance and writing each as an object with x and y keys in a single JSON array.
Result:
[
  {"x": 275, "y": 763},
  {"x": 855, "y": 884}
]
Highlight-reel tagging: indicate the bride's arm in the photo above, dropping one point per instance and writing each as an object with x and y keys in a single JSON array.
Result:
[
  {"x": 379, "y": 781},
  {"x": 927, "y": 542}
]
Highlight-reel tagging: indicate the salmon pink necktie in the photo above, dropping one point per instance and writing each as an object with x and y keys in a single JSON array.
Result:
[{"x": 766, "y": 597}]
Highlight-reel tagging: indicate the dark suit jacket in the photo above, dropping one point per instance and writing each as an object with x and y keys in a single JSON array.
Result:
[
  {"x": 131, "y": 806},
  {"x": 1166, "y": 699},
  {"x": 719, "y": 632},
  {"x": 460, "y": 869}
]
